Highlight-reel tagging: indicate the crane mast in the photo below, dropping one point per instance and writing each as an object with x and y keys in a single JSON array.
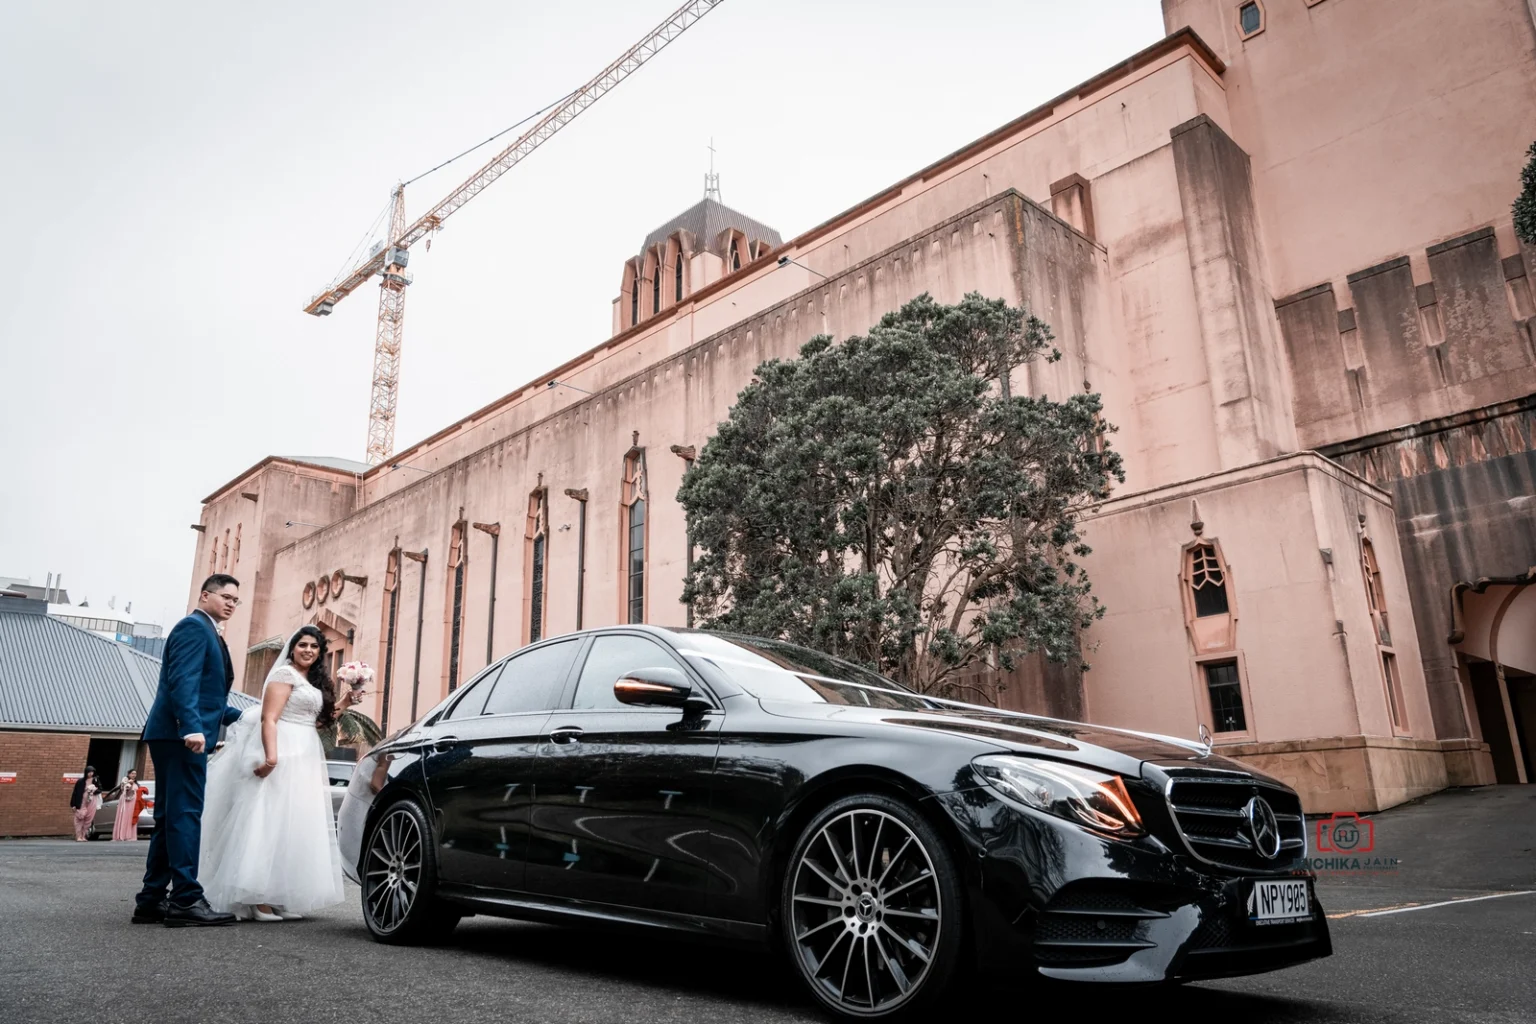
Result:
[
  {"x": 386, "y": 342},
  {"x": 389, "y": 261}
]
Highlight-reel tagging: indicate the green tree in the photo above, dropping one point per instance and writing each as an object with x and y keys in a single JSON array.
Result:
[
  {"x": 886, "y": 499},
  {"x": 1525, "y": 203}
]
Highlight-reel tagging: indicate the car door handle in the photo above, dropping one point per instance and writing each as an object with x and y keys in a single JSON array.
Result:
[
  {"x": 566, "y": 734},
  {"x": 442, "y": 743}
]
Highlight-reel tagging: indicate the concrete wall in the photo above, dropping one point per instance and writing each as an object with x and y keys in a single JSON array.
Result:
[
  {"x": 1465, "y": 492},
  {"x": 1304, "y": 637},
  {"x": 279, "y": 491},
  {"x": 1376, "y": 127}
]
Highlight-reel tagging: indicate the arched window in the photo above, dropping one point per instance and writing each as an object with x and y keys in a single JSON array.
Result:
[
  {"x": 632, "y": 520},
  {"x": 1208, "y": 581},
  {"x": 678, "y": 275},
  {"x": 536, "y": 558},
  {"x": 656, "y": 290},
  {"x": 735, "y": 255},
  {"x": 634, "y": 302}
]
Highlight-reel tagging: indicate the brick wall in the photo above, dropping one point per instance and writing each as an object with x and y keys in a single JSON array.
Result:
[{"x": 37, "y": 803}]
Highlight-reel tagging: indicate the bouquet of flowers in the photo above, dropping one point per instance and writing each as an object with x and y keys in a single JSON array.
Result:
[{"x": 354, "y": 674}]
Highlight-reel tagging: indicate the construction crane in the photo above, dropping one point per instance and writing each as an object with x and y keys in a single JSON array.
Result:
[{"x": 390, "y": 261}]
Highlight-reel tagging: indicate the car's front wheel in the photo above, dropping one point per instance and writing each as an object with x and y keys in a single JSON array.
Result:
[
  {"x": 872, "y": 909},
  {"x": 399, "y": 872}
]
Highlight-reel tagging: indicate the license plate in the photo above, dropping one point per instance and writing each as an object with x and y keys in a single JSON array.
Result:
[{"x": 1276, "y": 902}]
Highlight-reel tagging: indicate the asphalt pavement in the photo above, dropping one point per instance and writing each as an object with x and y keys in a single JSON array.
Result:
[{"x": 1432, "y": 937}]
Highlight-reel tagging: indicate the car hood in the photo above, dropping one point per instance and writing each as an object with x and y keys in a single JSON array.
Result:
[{"x": 1098, "y": 746}]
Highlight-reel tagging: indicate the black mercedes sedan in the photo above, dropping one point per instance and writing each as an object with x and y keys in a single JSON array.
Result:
[{"x": 752, "y": 791}]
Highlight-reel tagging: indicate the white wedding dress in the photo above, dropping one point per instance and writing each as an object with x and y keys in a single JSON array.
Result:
[{"x": 271, "y": 840}]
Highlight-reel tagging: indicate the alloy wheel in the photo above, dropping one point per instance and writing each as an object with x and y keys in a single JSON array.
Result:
[
  {"x": 392, "y": 875},
  {"x": 866, "y": 912}
]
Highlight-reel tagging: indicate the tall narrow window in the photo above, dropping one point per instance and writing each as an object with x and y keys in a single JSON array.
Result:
[
  {"x": 456, "y": 569},
  {"x": 225, "y": 565},
  {"x": 1208, "y": 581},
  {"x": 735, "y": 255},
  {"x": 1376, "y": 600},
  {"x": 1394, "y": 691},
  {"x": 536, "y": 557},
  {"x": 678, "y": 277},
  {"x": 656, "y": 290},
  {"x": 391, "y": 619},
  {"x": 634, "y": 302},
  {"x": 1375, "y": 594},
  {"x": 1226, "y": 693},
  {"x": 633, "y": 523},
  {"x": 213, "y": 554},
  {"x": 238, "y": 527}
]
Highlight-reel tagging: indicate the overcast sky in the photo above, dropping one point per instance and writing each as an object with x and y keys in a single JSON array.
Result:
[{"x": 179, "y": 177}]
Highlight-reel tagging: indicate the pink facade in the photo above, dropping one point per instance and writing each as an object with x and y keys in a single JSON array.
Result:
[{"x": 1256, "y": 248}]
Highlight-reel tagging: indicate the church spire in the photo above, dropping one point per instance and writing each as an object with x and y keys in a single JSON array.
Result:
[{"x": 711, "y": 179}]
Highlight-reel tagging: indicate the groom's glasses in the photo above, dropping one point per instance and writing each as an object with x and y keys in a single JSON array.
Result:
[{"x": 231, "y": 598}]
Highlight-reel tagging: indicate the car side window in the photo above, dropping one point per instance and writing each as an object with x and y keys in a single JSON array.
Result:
[
  {"x": 473, "y": 702},
  {"x": 532, "y": 681},
  {"x": 609, "y": 660}
]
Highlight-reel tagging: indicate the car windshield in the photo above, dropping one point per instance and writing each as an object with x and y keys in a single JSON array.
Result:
[{"x": 774, "y": 670}]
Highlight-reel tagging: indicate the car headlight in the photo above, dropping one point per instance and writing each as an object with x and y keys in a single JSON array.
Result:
[{"x": 1096, "y": 799}]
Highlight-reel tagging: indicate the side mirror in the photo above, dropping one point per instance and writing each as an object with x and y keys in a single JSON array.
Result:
[{"x": 653, "y": 687}]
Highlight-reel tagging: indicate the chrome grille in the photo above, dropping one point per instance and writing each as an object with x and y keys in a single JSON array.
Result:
[{"x": 1209, "y": 811}]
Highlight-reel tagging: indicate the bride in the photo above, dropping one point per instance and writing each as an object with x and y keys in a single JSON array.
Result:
[{"x": 269, "y": 838}]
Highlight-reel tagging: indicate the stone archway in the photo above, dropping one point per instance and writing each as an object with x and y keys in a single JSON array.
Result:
[{"x": 1494, "y": 636}]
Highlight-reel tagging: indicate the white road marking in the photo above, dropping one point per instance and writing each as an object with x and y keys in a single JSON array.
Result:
[{"x": 1445, "y": 903}]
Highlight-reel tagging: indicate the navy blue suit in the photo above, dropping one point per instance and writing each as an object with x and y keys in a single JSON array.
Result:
[{"x": 193, "y": 697}]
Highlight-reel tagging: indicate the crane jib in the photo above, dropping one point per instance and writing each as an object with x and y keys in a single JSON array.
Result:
[{"x": 653, "y": 43}]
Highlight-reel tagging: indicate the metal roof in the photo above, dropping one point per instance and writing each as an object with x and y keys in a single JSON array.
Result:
[
  {"x": 54, "y": 676},
  {"x": 706, "y": 220}
]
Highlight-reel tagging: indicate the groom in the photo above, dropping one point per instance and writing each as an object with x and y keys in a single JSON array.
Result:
[{"x": 191, "y": 705}]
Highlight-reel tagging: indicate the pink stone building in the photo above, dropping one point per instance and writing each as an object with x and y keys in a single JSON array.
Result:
[{"x": 1278, "y": 242}]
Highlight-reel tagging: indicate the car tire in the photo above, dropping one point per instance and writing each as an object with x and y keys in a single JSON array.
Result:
[
  {"x": 871, "y": 910},
  {"x": 399, "y": 873}
]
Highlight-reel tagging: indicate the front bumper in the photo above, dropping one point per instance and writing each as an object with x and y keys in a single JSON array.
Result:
[{"x": 1079, "y": 906}]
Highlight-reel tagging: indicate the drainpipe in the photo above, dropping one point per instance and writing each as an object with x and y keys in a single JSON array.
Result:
[
  {"x": 581, "y": 550},
  {"x": 421, "y": 616},
  {"x": 494, "y": 529}
]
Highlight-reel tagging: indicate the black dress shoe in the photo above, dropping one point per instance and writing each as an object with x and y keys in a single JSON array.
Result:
[
  {"x": 198, "y": 915},
  {"x": 152, "y": 914}
]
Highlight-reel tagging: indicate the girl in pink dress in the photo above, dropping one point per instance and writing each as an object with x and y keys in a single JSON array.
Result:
[
  {"x": 130, "y": 801},
  {"x": 85, "y": 799}
]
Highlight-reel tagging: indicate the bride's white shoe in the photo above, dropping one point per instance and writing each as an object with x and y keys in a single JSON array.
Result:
[
  {"x": 262, "y": 915},
  {"x": 287, "y": 915}
]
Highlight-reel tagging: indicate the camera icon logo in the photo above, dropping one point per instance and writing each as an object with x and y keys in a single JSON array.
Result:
[{"x": 1345, "y": 832}]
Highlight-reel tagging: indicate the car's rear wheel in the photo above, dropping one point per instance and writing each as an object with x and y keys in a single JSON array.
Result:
[
  {"x": 871, "y": 909},
  {"x": 399, "y": 872}
]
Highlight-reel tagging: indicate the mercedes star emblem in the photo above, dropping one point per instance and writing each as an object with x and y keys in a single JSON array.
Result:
[{"x": 1263, "y": 829}]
